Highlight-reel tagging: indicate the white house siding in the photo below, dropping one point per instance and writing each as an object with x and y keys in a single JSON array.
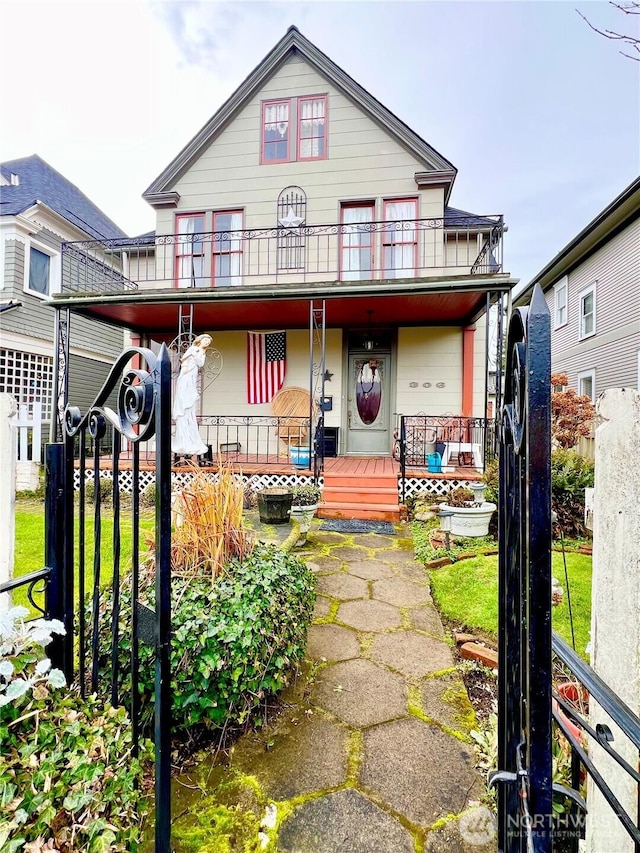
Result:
[
  {"x": 428, "y": 357},
  {"x": 363, "y": 163},
  {"x": 613, "y": 351},
  {"x": 228, "y": 394}
]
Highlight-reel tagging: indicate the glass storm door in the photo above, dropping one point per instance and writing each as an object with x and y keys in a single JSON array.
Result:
[{"x": 368, "y": 405}]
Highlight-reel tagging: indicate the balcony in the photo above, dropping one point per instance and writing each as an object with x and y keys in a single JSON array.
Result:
[{"x": 368, "y": 251}]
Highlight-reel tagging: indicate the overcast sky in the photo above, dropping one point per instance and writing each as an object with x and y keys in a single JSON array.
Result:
[{"x": 540, "y": 115}]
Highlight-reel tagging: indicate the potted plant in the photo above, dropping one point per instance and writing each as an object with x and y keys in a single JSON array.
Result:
[
  {"x": 465, "y": 515},
  {"x": 304, "y": 505},
  {"x": 274, "y": 505}
]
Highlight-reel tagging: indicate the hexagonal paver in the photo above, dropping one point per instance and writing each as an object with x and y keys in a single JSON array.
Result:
[
  {"x": 480, "y": 835},
  {"x": 322, "y": 608},
  {"x": 348, "y": 553},
  {"x": 412, "y": 571},
  {"x": 327, "y": 564},
  {"x": 426, "y": 618},
  {"x": 371, "y": 570},
  {"x": 369, "y": 615},
  {"x": 400, "y": 592},
  {"x": 332, "y": 643},
  {"x": 372, "y": 540},
  {"x": 307, "y": 755},
  {"x": 343, "y": 822},
  {"x": 418, "y": 770},
  {"x": 396, "y": 556},
  {"x": 360, "y": 693},
  {"x": 327, "y": 537},
  {"x": 445, "y": 700},
  {"x": 411, "y": 653},
  {"x": 343, "y": 586}
]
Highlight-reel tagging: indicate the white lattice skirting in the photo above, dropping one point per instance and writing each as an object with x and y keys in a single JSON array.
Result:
[
  {"x": 413, "y": 485},
  {"x": 178, "y": 478}
]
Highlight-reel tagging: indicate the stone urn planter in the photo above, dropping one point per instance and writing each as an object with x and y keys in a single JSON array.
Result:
[
  {"x": 303, "y": 508},
  {"x": 274, "y": 505},
  {"x": 467, "y": 517}
]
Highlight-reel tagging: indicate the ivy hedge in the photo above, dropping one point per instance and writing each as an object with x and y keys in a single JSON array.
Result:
[{"x": 234, "y": 641}]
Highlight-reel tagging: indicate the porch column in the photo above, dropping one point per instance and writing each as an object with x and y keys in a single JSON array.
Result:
[{"x": 468, "y": 333}]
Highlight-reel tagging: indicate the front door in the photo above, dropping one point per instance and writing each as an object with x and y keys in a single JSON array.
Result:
[{"x": 368, "y": 403}]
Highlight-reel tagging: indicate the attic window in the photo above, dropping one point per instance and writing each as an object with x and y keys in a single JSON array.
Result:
[{"x": 294, "y": 129}]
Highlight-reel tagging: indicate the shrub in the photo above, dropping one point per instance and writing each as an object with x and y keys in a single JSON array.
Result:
[
  {"x": 571, "y": 413},
  {"x": 148, "y": 496},
  {"x": 459, "y": 497},
  {"x": 233, "y": 643},
  {"x": 571, "y": 473},
  {"x": 67, "y": 778},
  {"x": 106, "y": 489}
]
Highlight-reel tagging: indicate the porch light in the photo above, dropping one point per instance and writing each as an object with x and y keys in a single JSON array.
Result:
[{"x": 369, "y": 343}]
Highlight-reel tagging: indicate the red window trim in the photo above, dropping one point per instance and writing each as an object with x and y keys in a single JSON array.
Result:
[
  {"x": 214, "y": 244},
  {"x": 178, "y": 254},
  {"x": 401, "y": 199},
  {"x": 346, "y": 205},
  {"x": 266, "y": 104},
  {"x": 299, "y": 122}
]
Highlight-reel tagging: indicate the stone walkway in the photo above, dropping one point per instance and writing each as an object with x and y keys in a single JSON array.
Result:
[{"x": 372, "y": 754}]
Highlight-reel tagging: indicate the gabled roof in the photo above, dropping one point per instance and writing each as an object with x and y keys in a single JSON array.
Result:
[
  {"x": 294, "y": 42},
  {"x": 456, "y": 218},
  {"x": 36, "y": 182},
  {"x": 617, "y": 215}
]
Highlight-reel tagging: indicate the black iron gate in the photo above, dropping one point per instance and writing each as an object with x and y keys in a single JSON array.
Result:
[
  {"x": 524, "y": 589},
  {"x": 526, "y": 704},
  {"x": 141, "y": 384}
]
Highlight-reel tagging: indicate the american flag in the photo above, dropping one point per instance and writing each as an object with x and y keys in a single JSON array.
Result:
[{"x": 266, "y": 363}]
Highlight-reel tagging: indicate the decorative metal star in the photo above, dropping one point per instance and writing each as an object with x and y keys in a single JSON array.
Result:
[
  {"x": 291, "y": 220},
  {"x": 327, "y": 375}
]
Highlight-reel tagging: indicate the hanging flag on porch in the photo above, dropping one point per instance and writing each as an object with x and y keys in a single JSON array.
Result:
[{"x": 266, "y": 364}]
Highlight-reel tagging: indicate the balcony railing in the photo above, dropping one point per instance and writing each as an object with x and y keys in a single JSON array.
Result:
[{"x": 310, "y": 253}]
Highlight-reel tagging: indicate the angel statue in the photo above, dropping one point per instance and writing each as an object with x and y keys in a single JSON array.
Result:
[{"x": 186, "y": 440}]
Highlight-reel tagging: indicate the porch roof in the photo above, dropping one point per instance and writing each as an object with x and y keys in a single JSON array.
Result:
[{"x": 407, "y": 302}]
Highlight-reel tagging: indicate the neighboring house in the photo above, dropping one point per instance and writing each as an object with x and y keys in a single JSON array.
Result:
[
  {"x": 39, "y": 210},
  {"x": 306, "y": 211},
  {"x": 592, "y": 287}
]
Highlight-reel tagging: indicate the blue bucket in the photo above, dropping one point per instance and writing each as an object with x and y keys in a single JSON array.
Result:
[
  {"x": 299, "y": 456},
  {"x": 434, "y": 463}
]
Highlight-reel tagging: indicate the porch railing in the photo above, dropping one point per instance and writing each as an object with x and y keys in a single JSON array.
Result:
[
  {"x": 253, "y": 439},
  {"x": 345, "y": 252}
]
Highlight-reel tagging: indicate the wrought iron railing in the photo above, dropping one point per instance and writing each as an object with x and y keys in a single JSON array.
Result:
[
  {"x": 442, "y": 443},
  {"x": 253, "y": 439},
  {"x": 345, "y": 252},
  {"x": 570, "y": 721}
]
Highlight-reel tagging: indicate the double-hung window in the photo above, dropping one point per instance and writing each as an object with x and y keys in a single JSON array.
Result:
[
  {"x": 294, "y": 129},
  {"x": 312, "y": 133},
  {"x": 587, "y": 301},
  {"x": 587, "y": 384},
  {"x": 356, "y": 253},
  {"x": 276, "y": 127},
  {"x": 190, "y": 251},
  {"x": 560, "y": 302},
  {"x": 42, "y": 271},
  {"x": 227, "y": 248},
  {"x": 400, "y": 238}
]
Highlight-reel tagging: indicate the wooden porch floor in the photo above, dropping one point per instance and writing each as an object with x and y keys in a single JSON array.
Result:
[{"x": 364, "y": 467}]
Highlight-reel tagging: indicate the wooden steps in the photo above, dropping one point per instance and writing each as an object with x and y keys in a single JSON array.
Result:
[{"x": 370, "y": 496}]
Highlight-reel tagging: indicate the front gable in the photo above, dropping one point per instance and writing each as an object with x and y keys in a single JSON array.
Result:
[{"x": 360, "y": 130}]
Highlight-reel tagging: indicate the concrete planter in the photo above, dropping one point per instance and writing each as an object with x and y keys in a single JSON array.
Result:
[
  {"x": 303, "y": 515},
  {"x": 470, "y": 520}
]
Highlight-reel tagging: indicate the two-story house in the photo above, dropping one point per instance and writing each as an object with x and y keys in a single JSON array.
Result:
[
  {"x": 310, "y": 231},
  {"x": 592, "y": 287},
  {"x": 39, "y": 210}
]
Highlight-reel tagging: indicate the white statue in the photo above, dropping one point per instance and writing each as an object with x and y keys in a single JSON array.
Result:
[{"x": 187, "y": 440}]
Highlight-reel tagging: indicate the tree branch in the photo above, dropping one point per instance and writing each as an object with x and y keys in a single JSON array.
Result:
[{"x": 633, "y": 41}]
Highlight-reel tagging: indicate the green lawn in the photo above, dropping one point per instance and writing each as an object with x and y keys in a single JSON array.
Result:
[
  {"x": 466, "y": 592},
  {"x": 29, "y": 544}
]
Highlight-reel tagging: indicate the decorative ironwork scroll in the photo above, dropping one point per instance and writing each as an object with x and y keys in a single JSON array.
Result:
[{"x": 141, "y": 384}]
